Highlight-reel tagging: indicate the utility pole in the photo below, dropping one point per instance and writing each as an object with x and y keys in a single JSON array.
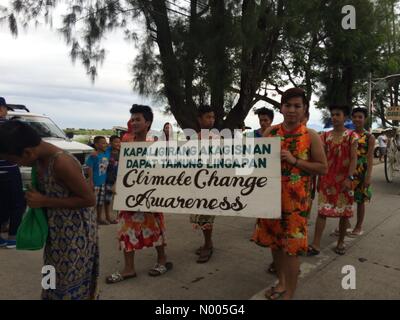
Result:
[{"x": 369, "y": 104}]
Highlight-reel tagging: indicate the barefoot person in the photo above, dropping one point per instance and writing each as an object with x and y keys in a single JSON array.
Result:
[
  {"x": 138, "y": 230},
  {"x": 335, "y": 189},
  {"x": 66, "y": 197},
  {"x": 206, "y": 120},
  {"x": 365, "y": 158},
  {"x": 302, "y": 156}
]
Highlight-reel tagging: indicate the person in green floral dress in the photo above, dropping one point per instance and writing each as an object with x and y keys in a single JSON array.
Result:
[{"x": 365, "y": 156}]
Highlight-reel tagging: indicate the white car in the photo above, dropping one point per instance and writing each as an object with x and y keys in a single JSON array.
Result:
[{"x": 50, "y": 133}]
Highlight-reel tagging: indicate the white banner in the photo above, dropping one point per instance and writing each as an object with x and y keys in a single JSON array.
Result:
[{"x": 225, "y": 177}]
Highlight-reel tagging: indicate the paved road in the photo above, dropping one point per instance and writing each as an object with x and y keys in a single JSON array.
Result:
[{"x": 237, "y": 268}]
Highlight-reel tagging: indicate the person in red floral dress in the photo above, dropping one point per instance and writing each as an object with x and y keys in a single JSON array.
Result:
[
  {"x": 138, "y": 230},
  {"x": 336, "y": 194}
]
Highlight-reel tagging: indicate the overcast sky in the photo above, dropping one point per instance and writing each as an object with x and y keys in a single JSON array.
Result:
[{"x": 36, "y": 70}]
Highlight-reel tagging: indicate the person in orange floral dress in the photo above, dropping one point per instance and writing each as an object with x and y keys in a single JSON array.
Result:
[
  {"x": 302, "y": 156},
  {"x": 138, "y": 230},
  {"x": 336, "y": 195}
]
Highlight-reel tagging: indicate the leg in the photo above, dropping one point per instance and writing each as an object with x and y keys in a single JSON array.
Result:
[
  {"x": 342, "y": 231},
  {"x": 278, "y": 257},
  {"x": 129, "y": 260},
  {"x": 360, "y": 217},
  {"x": 277, "y": 291},
  {"x": 161, "y": 256},
  {"x": 18, "y": 206},
  {"x": 108, "y": 202},
  {"x": 291, "y": 272},
  {"x": 319, "y": 229},
  {"x": 99, "y": 209},
  {"x": 207, "y": 238},
  {"x": 107, "y": 207},
  {"x": 207, "y": 249}
]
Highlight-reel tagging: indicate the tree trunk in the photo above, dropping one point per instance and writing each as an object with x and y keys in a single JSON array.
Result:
[
  {"x": 185, "y": 114},
  {"x": 217, "y": 71}
]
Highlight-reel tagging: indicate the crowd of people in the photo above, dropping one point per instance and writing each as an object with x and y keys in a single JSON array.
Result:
[{"x": 337, "y": 165}]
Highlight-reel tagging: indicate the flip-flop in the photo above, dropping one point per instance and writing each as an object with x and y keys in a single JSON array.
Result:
[
  {"x": 311, "y": 251},
  {"x": 204, "y": 259},
  {"x": 160, "y": 269},
  {"x": 118, "y": 277},
  {"x": 271, "y": 294},
  {"x": 355, "y": 234},
  {"x": 340, "y": 251}
]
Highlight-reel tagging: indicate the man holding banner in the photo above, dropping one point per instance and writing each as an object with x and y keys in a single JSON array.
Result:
[
  {"x": 138, "y": 229},
  {"x": 206, "y": 120},
  {"x": 302, "y": 155}
]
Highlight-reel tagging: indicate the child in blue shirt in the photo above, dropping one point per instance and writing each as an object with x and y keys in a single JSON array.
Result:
[
  {"x": 98, "y": 174},
  {"x": 112, "y": 171}
]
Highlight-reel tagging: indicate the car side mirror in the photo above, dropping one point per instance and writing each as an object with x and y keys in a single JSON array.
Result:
[{"x": 70, "y": 135}]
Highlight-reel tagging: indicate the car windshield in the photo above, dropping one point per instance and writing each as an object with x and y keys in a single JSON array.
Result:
[{"x": 44, "y": 127}]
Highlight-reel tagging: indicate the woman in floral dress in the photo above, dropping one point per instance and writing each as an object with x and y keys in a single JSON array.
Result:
[
  {"x": 336, "y": 195},
  {"x": 72, "y": 242},
  {"x": 365, "y": 157},
  {"x": 302, "y": 155}
]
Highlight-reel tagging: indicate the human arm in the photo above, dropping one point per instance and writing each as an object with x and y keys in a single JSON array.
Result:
[
  {"x": 317, "y": 164},
  {"x": 370, "y": 160},
  {"x": 67, "y": 172},
  {"x": 348, "y": 183}
]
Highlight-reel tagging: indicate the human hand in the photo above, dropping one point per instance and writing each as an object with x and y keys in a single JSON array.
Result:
[
  {"x": 287, "y": 156},
  {"x": 35, "y": 199}
]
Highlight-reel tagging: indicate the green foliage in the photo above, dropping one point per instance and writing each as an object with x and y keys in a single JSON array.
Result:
[{"x": 233, "y": 53}]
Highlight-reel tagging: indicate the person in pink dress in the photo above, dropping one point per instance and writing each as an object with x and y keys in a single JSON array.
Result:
[{"x": 336, "y": 195}]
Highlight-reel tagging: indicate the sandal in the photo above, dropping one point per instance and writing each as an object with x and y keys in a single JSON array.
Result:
[
  {"x": 160, "y": 269},
  {"x": 112, "y": 221},
  {"x": 353, "y": 234},
  {"x": 340, "y": 250},
  {"x": 311, "y": 251},
  {"x": 118, "y": 277},
  {"x": 272, "y": 294},
  {"x": 205, "y": 258},
  {"x": 102, "y": 223}
]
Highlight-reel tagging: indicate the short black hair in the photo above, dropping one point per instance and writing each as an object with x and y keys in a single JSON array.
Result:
[
  {"x": 294, "y": 93},
  {"x": 144, "y": 110},
  {"x": 16, "y": 136},
  {"x": 113, "y": 137},
  {"x": 359, "y": 109},
  {"x": 98, "y": 138},
  {"x": 203, "y": 109},
  {"x": 265, "y": 111},
  {"x": 344, "y": 108}
]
